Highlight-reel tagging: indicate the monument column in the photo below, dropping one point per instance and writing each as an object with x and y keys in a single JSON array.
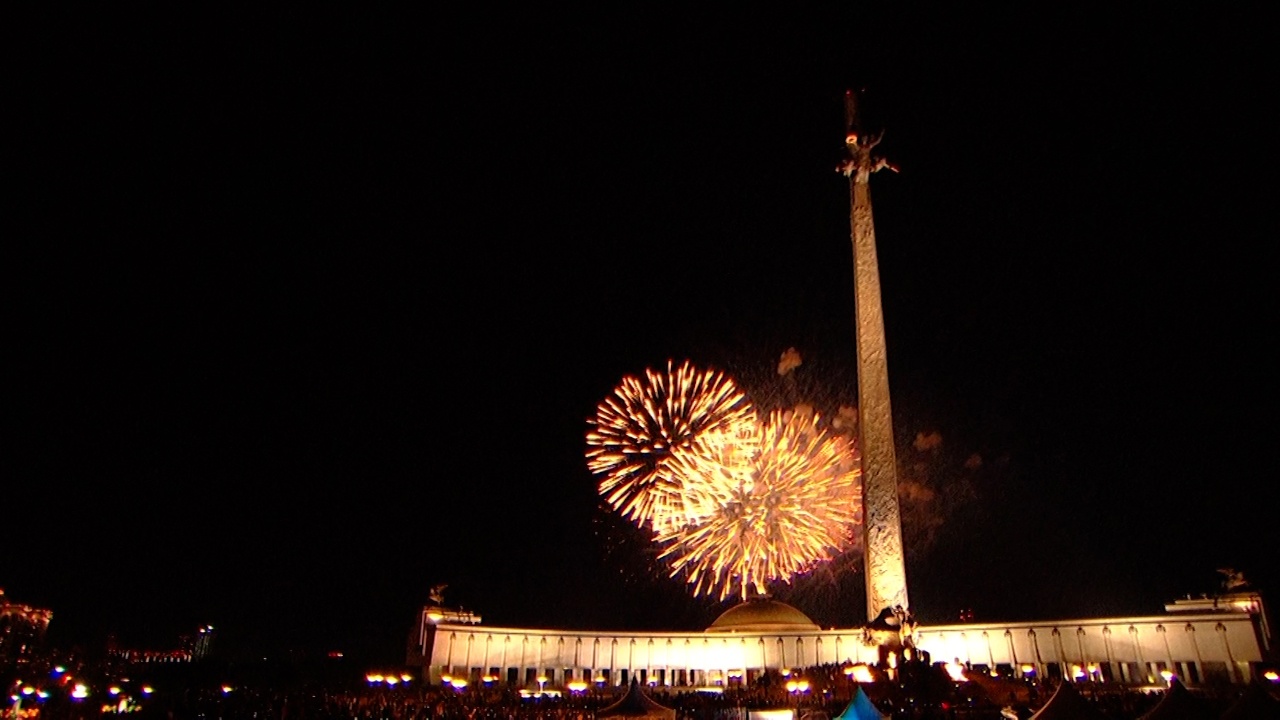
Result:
[{"x": 885, "y": 567}]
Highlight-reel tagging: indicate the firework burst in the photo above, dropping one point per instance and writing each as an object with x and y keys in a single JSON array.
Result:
[
  {"x": 650, "y": 422},
  {"x": 768, "y": 507}
]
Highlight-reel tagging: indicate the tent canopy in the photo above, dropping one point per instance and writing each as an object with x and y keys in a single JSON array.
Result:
[
  {"x": 861, "y": 708},
  {"x": 1179, "y": 704},
  {"x": 636, "y": 704},
  {"x": 1066, "y": 703}
]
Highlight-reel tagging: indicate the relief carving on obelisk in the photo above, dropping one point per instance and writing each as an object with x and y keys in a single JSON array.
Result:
[{"x": 885, "y": 565}]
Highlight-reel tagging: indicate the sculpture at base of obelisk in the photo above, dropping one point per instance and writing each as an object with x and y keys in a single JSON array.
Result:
[{"x": 884, "y": 566}]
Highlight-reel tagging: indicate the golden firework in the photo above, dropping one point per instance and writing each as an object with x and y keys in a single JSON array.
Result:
[
  {"x": 649, "y": 422},
  {"x": 768, "y": 508}
]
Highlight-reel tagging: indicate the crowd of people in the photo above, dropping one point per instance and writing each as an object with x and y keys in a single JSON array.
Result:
[{"x": 917, "y": 691}]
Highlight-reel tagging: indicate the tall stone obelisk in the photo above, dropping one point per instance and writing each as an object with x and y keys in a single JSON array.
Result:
[{"x": 885, "y": 567}]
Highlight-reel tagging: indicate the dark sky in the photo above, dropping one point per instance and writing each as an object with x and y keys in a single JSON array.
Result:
[{"x": 310, "y": 308}]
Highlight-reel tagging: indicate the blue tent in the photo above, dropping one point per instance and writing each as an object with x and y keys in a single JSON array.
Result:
[{"x": 861, "y": 708}]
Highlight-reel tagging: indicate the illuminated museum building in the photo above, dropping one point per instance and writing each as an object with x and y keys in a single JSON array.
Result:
[{"x": 1200, "y": 641}]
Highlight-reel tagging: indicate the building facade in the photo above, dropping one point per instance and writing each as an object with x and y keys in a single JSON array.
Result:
[{"x": 1201, "y": 642}]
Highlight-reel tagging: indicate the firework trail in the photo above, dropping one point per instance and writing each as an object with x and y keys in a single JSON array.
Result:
[
  {"x": 647, "y": 424},
  {"x": 769, "y": 507}
]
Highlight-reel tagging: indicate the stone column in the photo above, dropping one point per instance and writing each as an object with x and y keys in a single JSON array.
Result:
[{"x": 885, "y": 567}]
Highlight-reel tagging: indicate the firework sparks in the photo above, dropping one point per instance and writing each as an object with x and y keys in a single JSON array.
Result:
[
  {"x": 649, "y": 422},
  {"x": 767, "y": 508}
]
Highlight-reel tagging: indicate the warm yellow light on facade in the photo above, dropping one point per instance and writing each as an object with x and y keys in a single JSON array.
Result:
[{"x": 956, "y": 671}]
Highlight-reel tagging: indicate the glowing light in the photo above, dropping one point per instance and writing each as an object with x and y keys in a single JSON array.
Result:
[
  {"x": 391, "y": 680},
  {"x": 79, "y": 692},
  {"x": 1167, "y": 675},
  {"x": 435, "y": 615},
  {"x": 405, "y": 677},
  {"x": 226, "y": 689},
  {"x": 147, "y": 689},
  {"x": 113, "y": 690},
  {"x": 777, "y": 509},
  {"x": 862, "y": 674},
  {"x": 1028, "y": 670},
  {"x": 649, "y": 422},
  {"x": 1077, "y": 672},
  {"x": 1271, "y": 675},
  {"x": 458, "y": 683},
  {"x": 577, "y": 686},
  {"x": 377, "y": 678},
  {"x": 956, "y": 671}
]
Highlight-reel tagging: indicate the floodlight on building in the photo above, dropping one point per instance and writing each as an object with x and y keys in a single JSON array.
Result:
[
  {"x": 1167, "y": 675},
  {"x": 458, "y": 683}
]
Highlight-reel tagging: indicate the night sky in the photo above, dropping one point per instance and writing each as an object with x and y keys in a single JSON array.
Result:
[{"x": 310, "y": 307}]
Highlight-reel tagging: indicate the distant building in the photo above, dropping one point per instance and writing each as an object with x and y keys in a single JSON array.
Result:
[
  {"x": 190, "y": 648},
  {"x": 22, "y": 629}
]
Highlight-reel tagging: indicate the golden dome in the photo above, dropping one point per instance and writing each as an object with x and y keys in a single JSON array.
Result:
[{"x": 762, "y": 615}]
